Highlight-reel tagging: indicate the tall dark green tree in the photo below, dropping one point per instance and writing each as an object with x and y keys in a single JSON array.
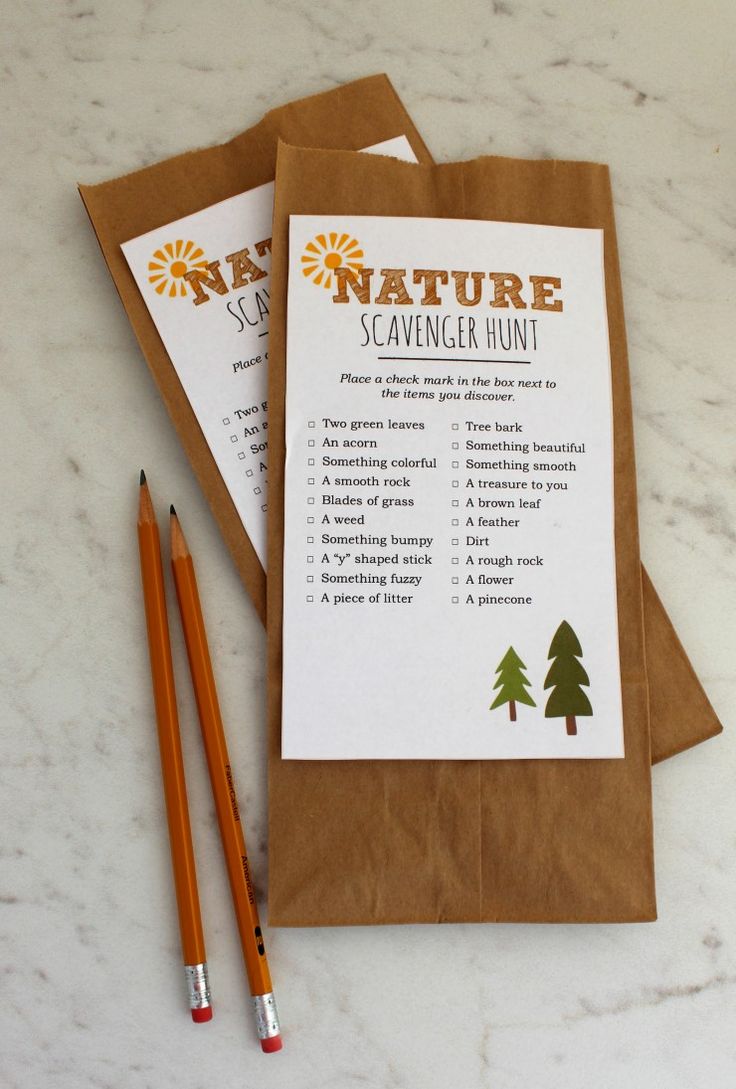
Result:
[
  {"x": 565, "y": 676},
  {"x": 512, "y": 683}
]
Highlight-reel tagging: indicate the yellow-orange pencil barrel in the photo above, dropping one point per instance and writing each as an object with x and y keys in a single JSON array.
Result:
[
  {"x": 172, "y": 764},
  {"x": 223, "y": 789}
]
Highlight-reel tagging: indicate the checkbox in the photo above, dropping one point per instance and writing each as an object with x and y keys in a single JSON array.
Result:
[
  {"x": 455, "y": 560},
  {"x": 456, "y": 483},
  {"x": 456, "y": 446},
  {"x": 311, "y": 423},
  {"x": 257, "y": 491},
  {"x": 264, "y": 506},
  {"x": 310, "y": 540},
  {"x": 310, "y": 480},
  {"x": 309, "y": 597},
  {"x": 456, "y": 427},
  {"x": 455, "y": 600},
  {"x": 456, "y": 502},
  {"x": 233, "y": 438},
  {"x": 249, "y": 472},
  {"x": 311, "y": 442},
  {"x": 455, "y": 522},
  {"x": 455, "y": 541},
  {"x": 310, "y": 578},
  {"x": 311, "y": 499},
  {"x": 241, "y": 455},
  {"x": 456, "y": 464},
  {"x": 310, "y": 520},
  {"x": 455, "y": 580},
  {"x": 226, "y": 420},
  {"x": 310, "y": 559},
  {"x": 311, "y": 461}
]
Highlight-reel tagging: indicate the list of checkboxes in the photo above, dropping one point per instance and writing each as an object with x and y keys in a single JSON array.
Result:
[
  {"x": 455, "y": 560},
  {"x": 310, "y": 520},
  {"x": 456, "y": 503},
  {"x": 310, "y": 499}
]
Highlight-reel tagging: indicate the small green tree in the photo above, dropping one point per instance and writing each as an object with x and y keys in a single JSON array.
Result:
[
  {"x": 512, "y": 683},
  {"x": 565, "y": 676}
]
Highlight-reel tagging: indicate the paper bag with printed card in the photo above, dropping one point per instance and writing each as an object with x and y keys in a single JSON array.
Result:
[
  {"x": 386, "y": 841},
  {"x": 355, "y": 116}
]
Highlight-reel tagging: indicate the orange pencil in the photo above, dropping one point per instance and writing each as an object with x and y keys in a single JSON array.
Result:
[
  {"x": 223, "y": 789},
  {"x": 172, "y": 765}
]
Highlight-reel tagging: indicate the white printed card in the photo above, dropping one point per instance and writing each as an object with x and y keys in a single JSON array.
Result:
[{"x": 449, "y": 563}]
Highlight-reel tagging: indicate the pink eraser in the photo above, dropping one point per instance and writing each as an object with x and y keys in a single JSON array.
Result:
[
  {"x": 202, "y": 1014},
  {"x": 272, "y": 1043}
]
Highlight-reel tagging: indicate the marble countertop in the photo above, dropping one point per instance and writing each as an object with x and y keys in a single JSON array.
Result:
[{"x": 92, "y": 988}]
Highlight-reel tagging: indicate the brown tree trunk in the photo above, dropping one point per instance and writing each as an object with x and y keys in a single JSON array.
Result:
[
  {"x": 512, "y": 710},
  {"x": 572, "y": 726}
]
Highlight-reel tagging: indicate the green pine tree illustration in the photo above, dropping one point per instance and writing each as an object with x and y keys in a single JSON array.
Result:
[
  {"x": 565, "y": 676},
  {"x": 512, "y": 683}
]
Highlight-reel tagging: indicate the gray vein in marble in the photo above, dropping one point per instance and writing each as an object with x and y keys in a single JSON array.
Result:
[{"x": 652, "y": 996}]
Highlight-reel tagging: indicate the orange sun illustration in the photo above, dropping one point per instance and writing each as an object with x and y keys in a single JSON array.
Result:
[
  {"x": 169, "y": 265},
  {"x": 326, "y": 252}
]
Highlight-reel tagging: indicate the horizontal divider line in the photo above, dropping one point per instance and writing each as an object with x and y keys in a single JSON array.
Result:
[{"x": 451, "y": 359}]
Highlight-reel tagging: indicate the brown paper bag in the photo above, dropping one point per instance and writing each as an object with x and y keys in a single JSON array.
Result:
[
  {"x": 357, "y": 115},
  {"x": 354, "y": 116},
  {"x": 356, "y": 842}
]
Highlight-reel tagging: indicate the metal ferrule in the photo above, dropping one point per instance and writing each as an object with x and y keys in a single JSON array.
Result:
[
  {"x": 267, "y": 1019},
  {"x": 198, "y": 986}
]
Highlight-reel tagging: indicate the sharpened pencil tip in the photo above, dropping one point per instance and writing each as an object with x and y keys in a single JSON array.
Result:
[
  {"x": 171, "y": 510},
  {"x": 143, "y": 477}
]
